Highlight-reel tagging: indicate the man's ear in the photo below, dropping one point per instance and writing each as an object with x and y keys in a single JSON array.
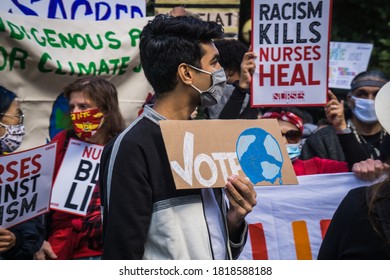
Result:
[
  {"x": 184, "y": 73},
  {"x": 229, "y": 72}
]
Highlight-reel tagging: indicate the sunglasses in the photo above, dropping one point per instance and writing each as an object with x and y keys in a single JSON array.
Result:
[{"x": 293, "y": 136}]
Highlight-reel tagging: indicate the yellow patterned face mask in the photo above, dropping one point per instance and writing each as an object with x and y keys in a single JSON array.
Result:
[{"x": 86, "y": 123}]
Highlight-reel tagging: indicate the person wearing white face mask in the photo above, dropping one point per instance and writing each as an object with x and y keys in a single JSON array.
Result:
[
  {"x": 213, "y": 94},
  {"x": 23, "y": 240},
  {"x": 291, "y": 126},
  {"x": 362, "y": 135},
  {"x": 144, "y": 216},
  {"x": 11, "y": 122}
]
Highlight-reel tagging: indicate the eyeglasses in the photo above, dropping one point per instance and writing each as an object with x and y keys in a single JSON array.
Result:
[
  {"x": 20, "y": 117},
  {"x": 293, "y": 136}
]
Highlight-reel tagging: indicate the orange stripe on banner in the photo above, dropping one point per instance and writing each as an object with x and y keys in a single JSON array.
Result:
[
  {"x": 324, "y": 224},
  {"x": 259, "y": 246},
  {"x": 301, "y": 239}
]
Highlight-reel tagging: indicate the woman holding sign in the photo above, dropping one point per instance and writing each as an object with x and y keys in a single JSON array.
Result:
[
  {"x": 96, "y": 119},
  {"x": 23, "y": 240}
]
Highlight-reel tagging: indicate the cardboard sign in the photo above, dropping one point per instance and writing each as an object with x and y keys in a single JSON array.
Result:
[
  {"x": 346, "y": 60},
  {"x": 77, "y": 178},
  {"x": 204, "y": 153},
  {"x": 96, "y": 10},
  {"x": 291, "y": 40},
  {"x": 25, "y": 184}
]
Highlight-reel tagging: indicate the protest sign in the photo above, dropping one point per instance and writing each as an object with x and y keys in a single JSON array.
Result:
[
  {"x": 224, "y": 12},
  {"x": 39, "y": 57},
  {"x": 25, "y": 184},
  {"x": 76, "y": 178},
  {"x": 289, "y": 222},
  {"x": 346, "y": 60},
  {"x": 203, "y": 153},
  {"x": 77, "y": 9},
  {"x": 291, "y": 39}
]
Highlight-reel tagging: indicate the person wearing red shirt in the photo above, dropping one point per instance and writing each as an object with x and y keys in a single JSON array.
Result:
[
  {"x": 291, "y": 126},
  {"x": 96, "y": 118}
]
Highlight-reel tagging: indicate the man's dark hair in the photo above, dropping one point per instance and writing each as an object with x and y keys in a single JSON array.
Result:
[
  {"x": 6, "y": 98},
  {"x": 231, "y": 53},
  {"x": 167, "y": 41}
]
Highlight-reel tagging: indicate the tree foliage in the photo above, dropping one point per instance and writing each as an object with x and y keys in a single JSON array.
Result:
[{"x": 364, "y": 21}]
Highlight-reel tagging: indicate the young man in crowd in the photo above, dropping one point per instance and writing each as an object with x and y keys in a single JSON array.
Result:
[{"x": 144, "y": 216}]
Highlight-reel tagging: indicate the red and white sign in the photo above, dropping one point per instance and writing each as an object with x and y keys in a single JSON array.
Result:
[
  {"x": 291, "y": 40},
  {"x": 289, "y": 222},
  {"x": 25, "y": 184},
  {"x": 76, "y": 178}
]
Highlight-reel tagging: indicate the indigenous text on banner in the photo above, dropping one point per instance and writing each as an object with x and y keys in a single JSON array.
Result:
[
  {"x": 77, "y": 9},
  {"x": 39, "y": 57}
]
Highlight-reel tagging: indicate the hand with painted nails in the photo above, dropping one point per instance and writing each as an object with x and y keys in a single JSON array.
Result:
[{"x": 242, "y": 198}]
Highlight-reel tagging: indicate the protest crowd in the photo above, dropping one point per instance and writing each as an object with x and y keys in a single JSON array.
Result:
[{"x": 131, "y": 207}]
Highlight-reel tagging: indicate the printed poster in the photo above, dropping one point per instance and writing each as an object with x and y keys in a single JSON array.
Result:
[
  {"x": 76, "y": 178},
  {"x": 289, "y": 222},
  {"x": 291, "y": 40},
  {"x": 25, "y": 184}
]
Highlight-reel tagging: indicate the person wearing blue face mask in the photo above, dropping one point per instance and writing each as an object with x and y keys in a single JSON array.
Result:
[
  {"x": 291, "y": 126},
  {"x": 362, "y": 135}
]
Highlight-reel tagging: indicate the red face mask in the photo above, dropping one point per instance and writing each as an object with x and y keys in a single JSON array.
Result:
[{"x": 86, "y": 123}]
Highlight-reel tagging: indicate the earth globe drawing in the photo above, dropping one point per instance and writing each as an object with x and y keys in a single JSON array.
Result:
[{"x": 260, "y": 156}]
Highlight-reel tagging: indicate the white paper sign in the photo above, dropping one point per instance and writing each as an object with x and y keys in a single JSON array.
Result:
[
  {"x": 291, "y": 40},
  {"x": 25, "y": 184},
  {"x": 289, "y": 222},
  {"x": 346, "y": 60},
  {"x": 76, "y": 178}
]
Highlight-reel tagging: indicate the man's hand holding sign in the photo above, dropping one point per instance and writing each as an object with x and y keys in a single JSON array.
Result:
[{"x": 242, "y": 199}]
